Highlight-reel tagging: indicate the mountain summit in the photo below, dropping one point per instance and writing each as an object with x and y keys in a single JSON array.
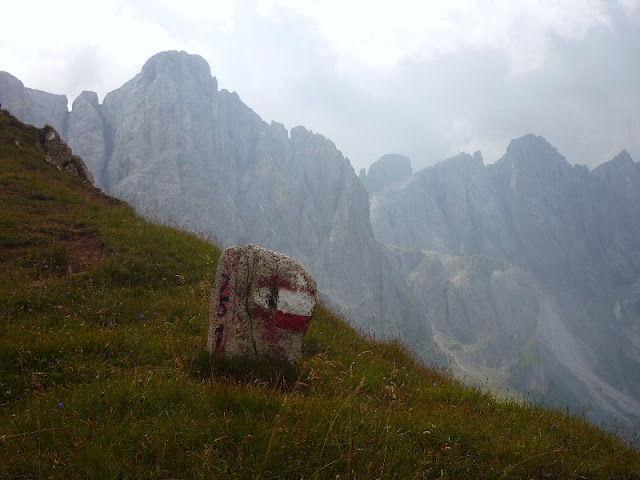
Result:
[{"x": 388, "y": 169}]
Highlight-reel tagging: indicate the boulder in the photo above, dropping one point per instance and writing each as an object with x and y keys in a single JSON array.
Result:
[{"x": 261, "y": 305}]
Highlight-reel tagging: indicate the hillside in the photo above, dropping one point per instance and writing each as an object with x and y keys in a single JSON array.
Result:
[{"x": 103, "y": 373}]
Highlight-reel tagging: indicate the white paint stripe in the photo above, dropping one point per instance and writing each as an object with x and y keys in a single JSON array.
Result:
[
  {"x": 298, "y": 303},
  {"x": 295, "y": 302}
]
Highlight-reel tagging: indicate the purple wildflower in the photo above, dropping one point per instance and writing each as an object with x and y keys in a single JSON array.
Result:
[
  {"x": 61, "y": 405},
  {"x": 195, "y": 347},
  {"x": 140, "y": 316},
  {"x": 90, "y": 280},
  {"x": 554, "y": 426}
]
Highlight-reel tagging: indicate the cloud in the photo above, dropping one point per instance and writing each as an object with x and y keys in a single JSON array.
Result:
[
  {"x": 426, "y": 79},
  {"x": 47, "y": 47},
  {"x": 383, "y": 34},
  {"x": 472, "y": 75}
]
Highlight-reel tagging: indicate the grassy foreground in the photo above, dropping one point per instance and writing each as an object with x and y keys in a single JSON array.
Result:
[{"x": 104, "y": 374}]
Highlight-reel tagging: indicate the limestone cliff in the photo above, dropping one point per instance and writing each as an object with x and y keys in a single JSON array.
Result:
[
  {"x": 85, "y": 129},
  {"x": 31, "y": 106}
]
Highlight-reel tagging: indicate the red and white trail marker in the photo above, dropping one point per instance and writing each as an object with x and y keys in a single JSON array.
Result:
[{"x": 261, "y": 305}]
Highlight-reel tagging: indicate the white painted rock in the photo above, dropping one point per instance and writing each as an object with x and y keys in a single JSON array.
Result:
[{"x": 261, "y": 305}]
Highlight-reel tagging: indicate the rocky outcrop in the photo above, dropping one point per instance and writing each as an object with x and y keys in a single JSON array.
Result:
[
  {"x": 388, "y": 169},
  {"x": 60, "y": 155},
  {"x": 261, "y": 305}
]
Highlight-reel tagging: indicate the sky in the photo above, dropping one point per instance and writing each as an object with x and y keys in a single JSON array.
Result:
[{"x": 423, "y": 78}]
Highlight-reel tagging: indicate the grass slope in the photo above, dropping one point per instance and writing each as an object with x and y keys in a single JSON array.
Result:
[{"x": 103, "y": 371}]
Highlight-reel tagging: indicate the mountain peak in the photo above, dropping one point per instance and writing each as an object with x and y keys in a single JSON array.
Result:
[
  {"x": 86, "y": 96},
  {"x": 7, "y": 79},
  {"x": 177, "y": 65},
  {"x": 622, "y": 172},
  {"x": 462, "y": 161},
  {"x": 622, "y": 159},
  {"x": 385, "y": 171},
  {"x": 531, "y": 142},
  {"x": 533, "y": 153},
  {"x": 33, "y": 106}
]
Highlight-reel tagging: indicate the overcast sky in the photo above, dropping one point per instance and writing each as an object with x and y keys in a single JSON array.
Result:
[{"x": 423, "y": 78}]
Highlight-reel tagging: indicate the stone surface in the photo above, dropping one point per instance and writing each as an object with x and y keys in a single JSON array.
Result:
[
  {"x": 60, "y": 155},
  {"x": 261, "y": 305},
  {"x": 86, "y": 132},
  {"x": 388, "y": 169},
  {"x": 32, "y": 106}
]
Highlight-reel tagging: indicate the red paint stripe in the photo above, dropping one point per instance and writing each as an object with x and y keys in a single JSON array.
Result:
[{"x": 291, "y": 321}]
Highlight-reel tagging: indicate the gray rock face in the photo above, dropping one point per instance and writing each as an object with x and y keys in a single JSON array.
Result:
[
  {"x": 442, "y": 221},
  {"x": 535, "y": 283},
  {"x": 261, "y": 305},
  {"x": 388, "y": 169},
  {"x": 85, "y": 128},
  {"x": 31, "y": 106},
  {"x": 623, "y": 175}
]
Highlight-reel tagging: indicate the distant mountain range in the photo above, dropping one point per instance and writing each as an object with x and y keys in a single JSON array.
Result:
[
  {"x": 536, "y": 281},
  {"x": 523, "y": 275}
]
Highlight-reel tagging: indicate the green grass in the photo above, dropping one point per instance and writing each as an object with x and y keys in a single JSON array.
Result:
[{"x": 104, "y": 372}]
